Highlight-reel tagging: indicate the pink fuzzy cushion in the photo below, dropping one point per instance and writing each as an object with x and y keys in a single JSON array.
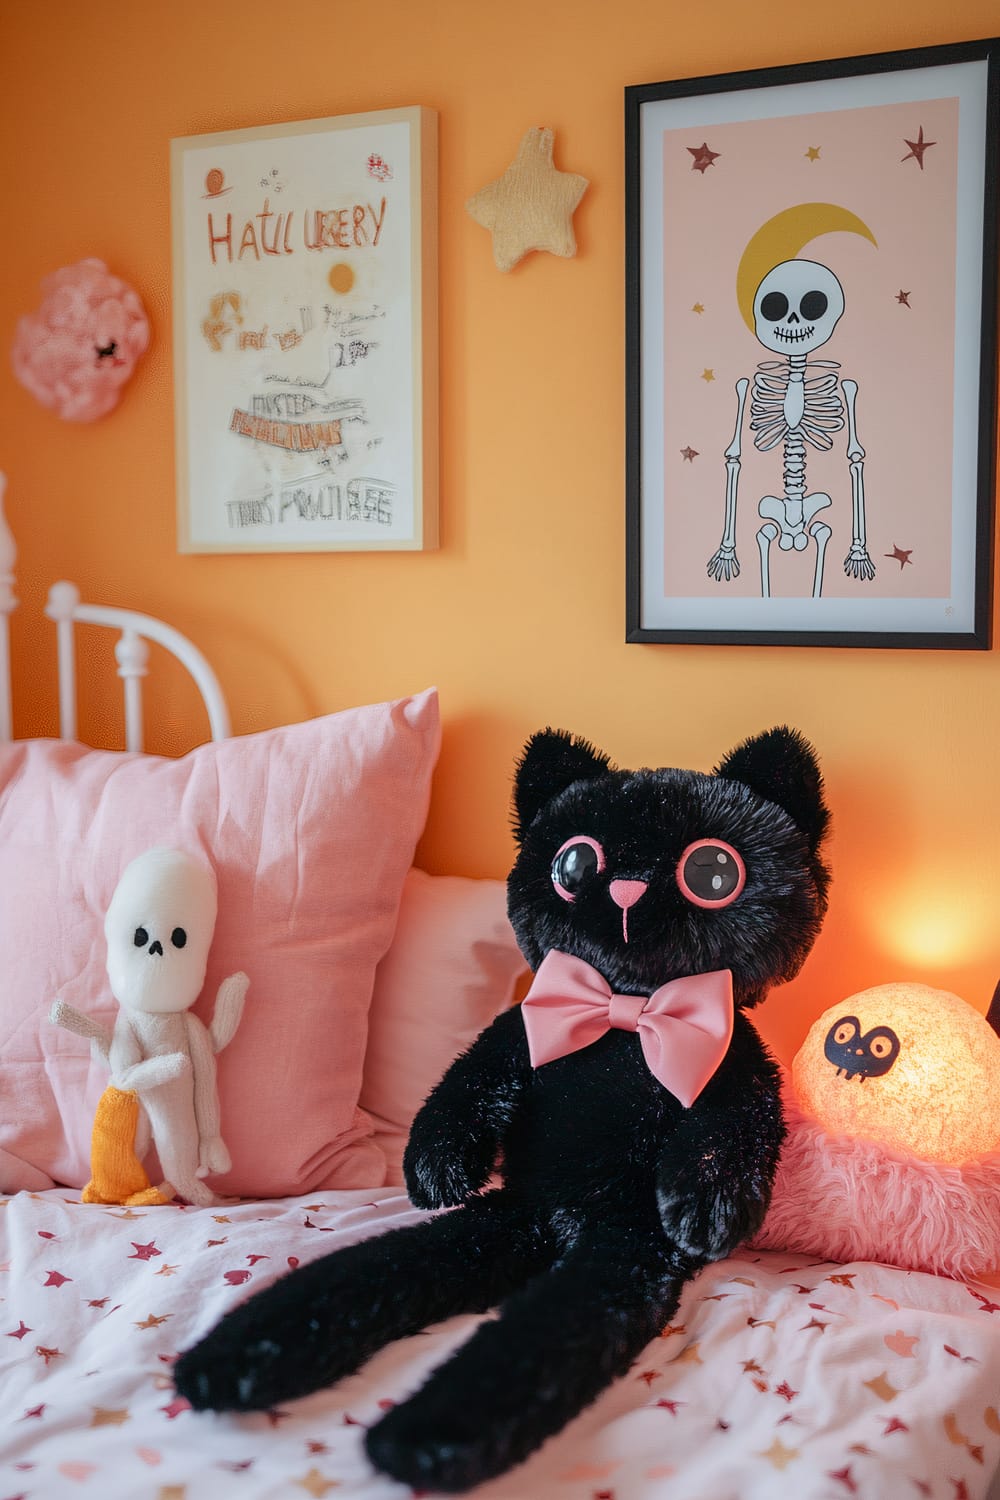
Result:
[
  {"x": 75, "y": 352},
  {"x": 311, "y": 829},
  {"x": 848, "y": 1199}
]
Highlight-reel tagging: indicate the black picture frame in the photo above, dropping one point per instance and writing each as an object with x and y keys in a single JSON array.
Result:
[{"x": 933, "y": 408}]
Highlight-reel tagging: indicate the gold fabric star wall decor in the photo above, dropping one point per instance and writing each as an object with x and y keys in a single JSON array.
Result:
[{"x": 531, "y": 206}]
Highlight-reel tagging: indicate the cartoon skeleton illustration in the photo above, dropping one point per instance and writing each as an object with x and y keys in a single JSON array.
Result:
[{"x": 795, "y": 401}]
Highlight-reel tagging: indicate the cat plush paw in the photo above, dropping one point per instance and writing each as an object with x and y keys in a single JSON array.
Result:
[
  {"x": 704, "y": 1227},
  {"x": 434, "y": 1182}
]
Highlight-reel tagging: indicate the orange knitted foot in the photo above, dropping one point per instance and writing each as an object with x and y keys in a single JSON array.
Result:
[
  {"x": 146, "y": 1198},
  {"x": 117, "y": 1175}
]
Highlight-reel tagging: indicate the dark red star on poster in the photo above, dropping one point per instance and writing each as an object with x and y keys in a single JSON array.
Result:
[
  {"x": 917, "y": 148},
  {"x": 903, "y": 298},
  {"x": 704, "y": 158},
  {"x": 689, "y": 454},
  {"x": 900, "y": 555}
]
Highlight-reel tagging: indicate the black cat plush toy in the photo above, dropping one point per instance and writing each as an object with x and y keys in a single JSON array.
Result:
[{"x": 629, "y": 1106}]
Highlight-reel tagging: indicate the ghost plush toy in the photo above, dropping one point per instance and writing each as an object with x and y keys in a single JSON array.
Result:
[{"x": 159, "y": 928}]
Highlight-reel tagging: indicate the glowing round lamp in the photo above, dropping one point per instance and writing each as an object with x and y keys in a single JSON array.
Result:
[
  {"x": 914, "y": 1067},
  {"x": 892, "y": 1150}
]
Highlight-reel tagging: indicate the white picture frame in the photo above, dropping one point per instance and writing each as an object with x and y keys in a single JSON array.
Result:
[{"x": 305, "y": 335}]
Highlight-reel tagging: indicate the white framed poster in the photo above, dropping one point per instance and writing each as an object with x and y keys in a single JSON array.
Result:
[{"x": 305, "y": 335}]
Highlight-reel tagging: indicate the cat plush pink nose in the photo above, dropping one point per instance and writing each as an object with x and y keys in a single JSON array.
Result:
[{"x": 625, "y": 893}]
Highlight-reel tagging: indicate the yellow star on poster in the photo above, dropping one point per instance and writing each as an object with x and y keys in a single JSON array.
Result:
[
  {"x": 707, "y": 375},
  {"x": 105, "y": 1417},
  {"x": 317, "y": 1484},
  {"x": 813, "y": 153},
  {"x": 779, "y": 1455},
  {"x": 699, "y": 307},
  {"x": 531, "y": 206},
  {"x": 881, "y": 1387}
]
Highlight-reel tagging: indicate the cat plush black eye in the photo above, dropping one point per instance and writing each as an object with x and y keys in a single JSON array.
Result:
[
  {"x": 575, "y": 861},
  {"x": 141, "y": 937}
]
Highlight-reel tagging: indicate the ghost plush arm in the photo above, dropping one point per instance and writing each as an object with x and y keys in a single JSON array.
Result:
[
  {"x": 71, "y": 1019},
  {"x": 132, "y": 1072},
  {"x": 228, "y": 1010},
  {"x": 457, "y": 1137},
  {"x": 212, "y": 1153}
]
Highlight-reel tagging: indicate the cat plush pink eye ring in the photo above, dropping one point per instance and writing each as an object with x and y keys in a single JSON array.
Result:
[{"x": 710, "y": 874}]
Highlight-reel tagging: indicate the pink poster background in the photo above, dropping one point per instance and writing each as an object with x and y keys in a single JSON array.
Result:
[{"x": 902, "y": 356}]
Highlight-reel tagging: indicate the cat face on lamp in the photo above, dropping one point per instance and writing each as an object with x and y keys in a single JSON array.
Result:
[{"x": 893, "y": 1146}]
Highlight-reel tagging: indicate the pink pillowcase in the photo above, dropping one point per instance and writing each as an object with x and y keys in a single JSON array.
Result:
[
  {"x": 452, "y": 967},
  {"x": 311, "y": 829}
]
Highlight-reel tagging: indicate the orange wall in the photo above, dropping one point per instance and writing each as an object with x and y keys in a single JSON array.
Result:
[{"x": 519, "y": 617}]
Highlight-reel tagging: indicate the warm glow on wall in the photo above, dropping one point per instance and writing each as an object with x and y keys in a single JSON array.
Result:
[
  {"x": 914, "y": 1068},
  {"x": 927, "y": 926}
]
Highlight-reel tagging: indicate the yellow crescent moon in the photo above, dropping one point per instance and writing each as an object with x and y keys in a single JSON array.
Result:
[{"x": 782, "y": 237}]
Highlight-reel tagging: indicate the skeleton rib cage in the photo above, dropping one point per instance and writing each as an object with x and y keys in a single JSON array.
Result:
[
  {"x": 822, "y": 414},
  {"x": 823, "y": 411}
]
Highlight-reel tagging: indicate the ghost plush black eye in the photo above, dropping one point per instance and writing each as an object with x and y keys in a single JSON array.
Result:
[
  {"x": 178, "y": 937},
  {"x": 141, "y": 937},
  {"x": 710, "y": 873},
  {"x": 578, "y": 859}
]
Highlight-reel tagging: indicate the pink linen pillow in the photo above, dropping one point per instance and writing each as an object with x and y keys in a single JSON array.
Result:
[
  {"x": 311, "y": 830},
  {"x": 452, "y": 967}
]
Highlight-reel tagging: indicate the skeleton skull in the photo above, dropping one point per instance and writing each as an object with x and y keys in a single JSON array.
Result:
[{"x": 797, "y": 307}]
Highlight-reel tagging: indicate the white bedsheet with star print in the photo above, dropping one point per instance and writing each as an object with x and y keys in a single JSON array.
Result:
[{"x": 779, "y": 1377}]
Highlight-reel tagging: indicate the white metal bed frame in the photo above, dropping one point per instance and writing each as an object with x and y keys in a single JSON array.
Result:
[{"x": 131, "y": 651}]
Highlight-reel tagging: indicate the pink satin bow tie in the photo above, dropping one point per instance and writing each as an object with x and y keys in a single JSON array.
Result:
[{"x": 684, "y": 1026}]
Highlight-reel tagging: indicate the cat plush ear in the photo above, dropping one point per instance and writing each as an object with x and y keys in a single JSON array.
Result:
[
  {"x": 781, "y": 766},
  {"x": 552, "y": 761}
]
